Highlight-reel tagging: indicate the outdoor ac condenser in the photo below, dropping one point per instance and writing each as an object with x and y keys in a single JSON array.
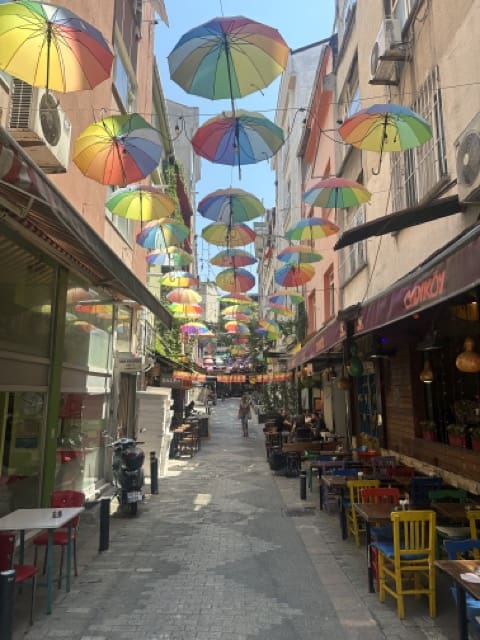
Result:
[{"x": 468, "y": 162}]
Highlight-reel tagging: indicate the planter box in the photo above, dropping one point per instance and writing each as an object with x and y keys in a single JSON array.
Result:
[
  {"x": 457, "y": 440},
  {"x": 429, "y": 435}
]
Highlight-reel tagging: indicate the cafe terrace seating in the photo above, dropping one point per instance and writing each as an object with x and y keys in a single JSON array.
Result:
[
  {"x": 354, "y": 495},
  {"x": 331, "y": 496},
  {"x": 473, "y": 516},
  {"x": 448, "y": 530},
  {"x": 406, "y": 566},
  {"x": 420, "y": 487},
  {"x": 463, "y": 550},
  {"x": 23, "y": 572}
]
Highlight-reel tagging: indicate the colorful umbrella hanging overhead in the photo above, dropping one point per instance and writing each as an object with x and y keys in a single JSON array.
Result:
[
  {"x": 170, "y": 257},
  {"x": 184, "y": 296},
  {"x": 236, "y": 327},
  {"x": 118, "y": 150},
  {"x": 224, "y": 235},
  {"x": 230, "y": 205},
  {"x": 235, "y": 280},
  {"x": 385, "y": 127},
  {"x": 51, "y": 47},
  {"x": 238, "y": 297},
  {"x": 237, "y": 139},
  {"x": 140, "y": 203},
  {"x": 294, "y": 275},
  {"x": 236, "y": 308},
  {"x": 195, "y": 328},
  {"x": 233, "y": 258},
  {"x": 271, "y": 327},
  {"x": 161, "y": 233},
  {"x": 281, "y": 310},
  {"x": 336, "y": 193},
  {"x": 228, "y": 58},
  {"x": 239, "y": 317},
  {"x": 299, "y": 254},
  {"x": 311, "y": 229},
  {"x": 286, "y": 297},
  {"x": 178, "y": 279}
]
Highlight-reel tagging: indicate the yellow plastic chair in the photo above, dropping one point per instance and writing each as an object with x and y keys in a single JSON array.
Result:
[
  {"x": 473, "y": 516},
  {"x": 355, "y": 488},
  {"x": 406, "y": 566}
]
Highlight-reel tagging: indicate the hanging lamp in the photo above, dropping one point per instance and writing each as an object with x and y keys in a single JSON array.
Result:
[
  {"x": 426, "y": 376},
  {"x": 468, "y": 361}
]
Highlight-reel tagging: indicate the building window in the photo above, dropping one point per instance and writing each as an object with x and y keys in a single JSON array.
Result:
[
  {"x": 124, "y": 226},
  {"x": 350, "y": 98},
  {"x": 354, "y": 256},
  {"x": 418, "y": 171},
  {"x": 401, "y": 9},
  {"x": 311, "y": 312},
  {"x": 329, "y": 293},
  {"x": 124, "y": 77}
]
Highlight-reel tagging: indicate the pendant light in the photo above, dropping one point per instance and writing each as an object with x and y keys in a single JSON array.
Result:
[
  {"x": 426, "y": 375},
  {"x": 468, "y": 361}
]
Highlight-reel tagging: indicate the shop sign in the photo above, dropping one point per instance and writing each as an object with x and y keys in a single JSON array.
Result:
[
  {"x": 426, "y": 290},
  {"x": 129, "y": 362},
  {"x": 170, "y": 382}
]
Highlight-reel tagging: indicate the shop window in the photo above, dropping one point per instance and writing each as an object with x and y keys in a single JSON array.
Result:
[
  {"x": 329, "y": 292},
  {"x": 312, "y": 307}
]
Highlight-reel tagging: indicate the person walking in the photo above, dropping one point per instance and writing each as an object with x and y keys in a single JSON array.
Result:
[{"x": 244, "y": 414}]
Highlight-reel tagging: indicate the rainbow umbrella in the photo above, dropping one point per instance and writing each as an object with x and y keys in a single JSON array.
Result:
[
  {"x": 178, "y": 307},
  {"x": 294, "y": 275},
  {"x": 236, "y": 308},
  {"x": 230, "y": 205},
  {"x": 140, "y": 203},
  {"x": 170, "y": 257},
  {"x": 385, "y": 127},
  {"x": 271, "y": 327},
  {"x": 311, "y": 229},
  {"x": 285, "y": 297},
  {"x": 239, "y": 138},
  {"x": 225, "y": 235},
  {"x": 235, "y": 280},
  {"x": 299, "y": 255},
  {"x": 236, "y": 327},
  {"x": 193, "y": 328},
  {"x": 118, "y": 150},
  {"x": 186, "y": 315},
  {"x": 281, "y": 309},
  {"x": 233, "y": 258},
  {"x": 162, "y": 233},
  {"x": 178, "y": 279},
  {"x": 239, "y": 317},
  {"x": 184, "y": 296},
  {"x": 228, "y": 58},
  {"x": 261, "y": 331},
  {"x": 336, "y": 193},
  {"x": 237, "y": 297},
  {"x": 51, "y": 47}
]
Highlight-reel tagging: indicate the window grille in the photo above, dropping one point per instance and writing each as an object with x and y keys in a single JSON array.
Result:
[{"x": 353, "y": 256}]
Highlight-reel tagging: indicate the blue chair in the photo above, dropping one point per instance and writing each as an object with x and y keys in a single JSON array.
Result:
[
  {"x": 461, "y": 550},
  {"x": 420, "y": 487}
]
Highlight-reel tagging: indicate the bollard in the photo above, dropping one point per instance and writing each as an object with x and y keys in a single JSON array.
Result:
[
  {"x": 104, "y": 524},
  {"x": 303, "y": 485},
  {"x": 153, "y": 473},
  {"x": 7, "y": 595}
]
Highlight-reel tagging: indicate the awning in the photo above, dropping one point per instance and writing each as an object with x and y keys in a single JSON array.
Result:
[
  {"x": 327, "y": 338},
  {"x": 401, "y": 220},
  {"x": 41, "y": 212},
  {"x": 450, "y": 271}
]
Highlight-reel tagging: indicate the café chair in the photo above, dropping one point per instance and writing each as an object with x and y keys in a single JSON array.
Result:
[
  {"x": 59, "y": 499},
  {"x": 406, "y": 566},
  {"x": 474, "y": 521},
  {"x": 355, "y": 488},
  {"x": 464, "y": 550},
  {"x": 445, "y": 530},
  {"x": 23, "y": 572},
  {"x": 380, "y": 464},
  {"x": 401, "y": 471},
  {"x": 313, "y": 457},
  {"x": 420, "y": 487},
  {"x": 330, "y": 497}
]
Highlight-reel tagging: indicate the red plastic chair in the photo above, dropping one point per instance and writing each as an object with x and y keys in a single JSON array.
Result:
[
  {"x": 23, "y": 572},
  {"x": 59, "y": 499}
]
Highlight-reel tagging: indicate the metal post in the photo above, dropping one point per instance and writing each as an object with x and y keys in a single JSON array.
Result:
[
  {"x": 153, "y": 473},
  {"x": 7, "y": 595},
  {"x": 303, "y": 485},
  {"x": 104, "y": 524}
]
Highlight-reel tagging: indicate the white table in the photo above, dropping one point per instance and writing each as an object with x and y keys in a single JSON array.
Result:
[{"x": 27, "y": 519}]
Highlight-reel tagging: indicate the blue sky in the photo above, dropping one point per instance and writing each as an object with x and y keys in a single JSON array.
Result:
[{"x": 300, "y": 22}]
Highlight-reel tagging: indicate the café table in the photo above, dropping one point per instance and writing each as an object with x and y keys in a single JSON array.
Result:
[
  {"x": 455, "y": 569},
  {"x": 454, "y": 511},
  {"x": 378, "y": 513},
  {"x": 30, "y": 519},
  {"x": 339, "y": 485}
]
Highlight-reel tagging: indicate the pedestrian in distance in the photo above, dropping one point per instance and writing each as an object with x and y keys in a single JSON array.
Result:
[{"x": 244, "y": 414}]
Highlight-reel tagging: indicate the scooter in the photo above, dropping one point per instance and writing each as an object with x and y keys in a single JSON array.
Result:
[{"x": 128, "y": 476}]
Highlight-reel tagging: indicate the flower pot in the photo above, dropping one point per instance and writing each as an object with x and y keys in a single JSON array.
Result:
[
  {"x": 456, "y": 440},
  {"x": 429, "y": 435}
]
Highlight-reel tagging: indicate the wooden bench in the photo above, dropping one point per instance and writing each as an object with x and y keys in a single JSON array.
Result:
[{"x": 300, "y": 447}]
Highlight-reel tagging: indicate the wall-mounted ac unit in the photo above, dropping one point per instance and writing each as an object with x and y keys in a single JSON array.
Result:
[
  {"x": 386, "y": 51},
  {"x": 468, "y": 162},
  {"x": 37, "y": 122}
]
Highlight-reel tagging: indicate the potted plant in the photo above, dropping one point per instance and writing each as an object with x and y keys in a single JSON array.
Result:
[
  {"x": 475, "y": 437},
  {"x": 457, "y": 434},
  {"x": 429, "y": 430}
]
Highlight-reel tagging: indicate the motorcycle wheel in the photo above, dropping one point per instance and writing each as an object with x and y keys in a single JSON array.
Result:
[{"x": 133, "y": 508}]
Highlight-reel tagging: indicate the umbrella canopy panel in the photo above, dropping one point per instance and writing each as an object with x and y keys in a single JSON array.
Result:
[
  {"x": 224, "y": 235},
  {"x": 230, "y": 205},
  {"x": 140, "y": 203}
]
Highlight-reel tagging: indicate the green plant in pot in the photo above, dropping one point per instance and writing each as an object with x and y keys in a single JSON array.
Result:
[
  {"x": 475, "y": 437},
  {"x": 457, "y": 434},
  {"x": 429, "y": 429}
]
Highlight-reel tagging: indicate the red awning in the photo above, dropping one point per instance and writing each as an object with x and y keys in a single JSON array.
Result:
[{"x": 327, "y": 338}]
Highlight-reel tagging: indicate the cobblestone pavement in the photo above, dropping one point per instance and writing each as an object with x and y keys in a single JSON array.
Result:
[{"x": 226, "y": 550}]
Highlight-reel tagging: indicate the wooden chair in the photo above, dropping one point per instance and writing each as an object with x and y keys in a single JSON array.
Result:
[
  {"x": 406, "y": 566},
  {"x": 355, "y": 488},
  {"x": 420, "y": 487},
  {"x": 380, "y": 464},
  {"x": 447, "y": 530},
  {"x": 23, "y": 572},
  {"x": 401, "y": 470},
  {"x": 464, "y": 550},
  {"x": 273, "y": 440},
  {"x": 59, "y": 499},
  {"x": 474, "y": 521},
  {"x": 330, "y": 497}
]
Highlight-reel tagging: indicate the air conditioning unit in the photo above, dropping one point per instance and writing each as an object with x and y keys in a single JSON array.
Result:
[
  {"x": 387, "y": 50},
  {"x": 468, "y": 162},
  {"x": 37, "y": 122}
]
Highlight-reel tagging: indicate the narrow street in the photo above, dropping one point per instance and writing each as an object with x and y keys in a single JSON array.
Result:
[{"x": 227, "y": 550}]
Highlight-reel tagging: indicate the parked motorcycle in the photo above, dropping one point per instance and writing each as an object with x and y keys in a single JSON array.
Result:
[{"x": 128, "y": 476}]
